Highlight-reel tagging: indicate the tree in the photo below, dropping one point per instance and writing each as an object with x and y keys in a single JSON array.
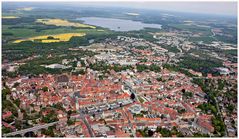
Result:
[
  {"x": 205, "y": 107},
  {"x": 48, "y": 132},
  {"x": 59, "y": 106},
  {"x": 200, "y": 135},
  {"x": 16, "y": 84},
  {"x": 180, "y": 111},
  {"x": 221, "y": 84},
  {"x": 93, "y": 115},
  {"x": 187, "y": 94},
  {"x": 183, "y": 90},
  {"x": 218, "y": 125},
  {"x": 50, "y": 117},
  {"x": 6, "y": 130},
  {"x": 50, "y": 38},
  {"x": 144, "y": 132},
  {"x": 164, "y": 132},
  {"x": 150, "y": 133},
  {"x": 5, "y": 92},
  {"x": 159, "y": 79},
  {"x": 74, "y": 64},
  {"x": 70, "y": 122},
  {"x": 162, "y": 116},
  {"x": 17, "y": 102},
  {"x": 132, "y": 96},
  {"x": 45, "y": 89},
  {"x": 69, "y": 113},
  {"x": 230, "y": 108}
]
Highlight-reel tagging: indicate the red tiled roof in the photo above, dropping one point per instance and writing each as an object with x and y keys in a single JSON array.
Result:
[{"x": 7, "y": 114}]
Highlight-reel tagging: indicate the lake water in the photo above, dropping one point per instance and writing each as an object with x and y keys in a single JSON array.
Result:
[{"x": 118, "y": 24}]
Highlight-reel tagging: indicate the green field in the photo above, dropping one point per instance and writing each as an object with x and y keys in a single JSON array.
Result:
[
  {"x": 206, "y": 39},
  {"x": 26, "y": 32},
  {"x": 205, "y": 31},
  {"x": 26, "y": 26}
]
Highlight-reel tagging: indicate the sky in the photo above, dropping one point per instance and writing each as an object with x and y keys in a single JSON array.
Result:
[
  {"x": 204, "y": 7},
  {"x": 220, "y": 7}
]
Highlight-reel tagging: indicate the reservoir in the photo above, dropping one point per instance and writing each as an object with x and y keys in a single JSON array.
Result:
[{"x": 118, "y": 24}]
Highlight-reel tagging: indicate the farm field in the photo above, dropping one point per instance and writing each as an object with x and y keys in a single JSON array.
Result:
[
  {"x": 28, "y": 31},
  {"x": 9, "y": 17},
  {"x": 61, "y": 22},
  {"x": 52, "y": 38}
]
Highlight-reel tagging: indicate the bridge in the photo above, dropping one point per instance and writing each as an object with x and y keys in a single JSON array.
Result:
[{"x": 35, "y": 128}]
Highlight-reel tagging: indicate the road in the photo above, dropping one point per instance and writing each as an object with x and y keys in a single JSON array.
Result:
[
  {"x": 19, "y": 113},
  {"x": 135, "y": 122},
  {"x": 82, "y": 116},
  {"x": 214, "y": 36},
  {"x": 219, "y": 111},
  {"x": 178, "y": 47},
  {"x": 168, "y": 58},
  {"x": 131, "y": 90},
  {"x": 130, "y": 124},
  {"x": 35, "y": 128}
]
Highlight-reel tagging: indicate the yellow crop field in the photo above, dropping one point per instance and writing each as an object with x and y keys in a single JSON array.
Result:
[
  {"x": 9, "y": 17},
  {"x": 61, "y": 22},
  {"x": 52, "y": 38}
]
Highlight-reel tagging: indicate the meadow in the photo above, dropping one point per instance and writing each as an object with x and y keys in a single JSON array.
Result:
[{"x": 61, "y": 22}]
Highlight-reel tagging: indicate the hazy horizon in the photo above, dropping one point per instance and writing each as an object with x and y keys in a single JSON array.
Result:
[
  {"x": 212, "y": 8},
  {"x": 216, "y": 8}
]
